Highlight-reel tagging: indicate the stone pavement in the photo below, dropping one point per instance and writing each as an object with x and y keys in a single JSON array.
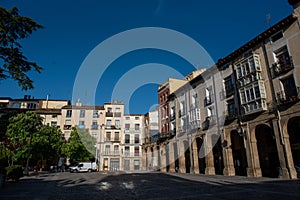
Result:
[{"x": 148, "y": 186}]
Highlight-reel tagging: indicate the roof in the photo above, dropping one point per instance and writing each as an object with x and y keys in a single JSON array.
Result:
[
  {"x": 83, "y": 107},
  {"x": 259, "y": 39}
]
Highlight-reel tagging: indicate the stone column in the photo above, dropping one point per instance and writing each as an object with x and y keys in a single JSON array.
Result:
[
  {"x": 181, "y": 156},
  {"x": 280, "y": 150},
  {"x": 253, "y": 169},
  {"x": 287, "y": 153},
  {"x": 163, "y": 154},
  {"x": 171, "y": 157},
  {"x": 209, "y": 159},
  {"x": 195, "y": 157},
  {"x": 229, "y": 169}
]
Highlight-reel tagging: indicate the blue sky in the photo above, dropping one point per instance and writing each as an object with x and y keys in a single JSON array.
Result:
[{"x": 74, "y": 28}]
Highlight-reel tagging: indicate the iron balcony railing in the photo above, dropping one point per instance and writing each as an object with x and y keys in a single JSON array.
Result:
[
  {"x": 284, "y": 97},
  {"x": 208, "y": 100},
  {"x": 282, "y": 67}
]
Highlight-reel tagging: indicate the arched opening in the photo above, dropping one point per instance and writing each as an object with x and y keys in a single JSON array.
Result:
[
  {"x": 201, "y": 155},
  {"x": 293, "y": 131},
  {"x": 238, "y": 153},
  {"x": 187, "y": 157},
  {"x": 218, "y": 154},
  {"x": 267, "y": 151}
]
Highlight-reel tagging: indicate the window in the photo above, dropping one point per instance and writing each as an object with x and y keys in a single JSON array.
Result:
[
  {"x": 54, "y": 116},
  {"x": 137, "y": 118},
  {"x": 118, "y": 109},
  {"x": 127, "y": 118},
  {"x": 127, "y": 126},
  {"x": 94, "y": 135},
  {"x": 137, "y": 127},
  {"x": 108, "y": 134},
  {"x": 276, "y": 36},
  {"x": 136, "y": 165},
  {"x": 94, "y": 125},
  {"x": 117, "y": 123},
  {"x": 136, "y": 151},
  {"x": 108, "y": 123},
  {"x": 136, "y": 139},
  {"x": 116, "y": 149},
  {"x": 107, "y": 149},
  {"x": 53, "y": 123},
  {"x": 82, "y": 113},
  {"x": 127, "y": 151},
  {"x": 230, "y": 108},
  {"x": 95, "y": 114},
  {"x": 69, "y": 113},
  {"x": 127, "y": 139},
  {"x": 109, "y": 109},
  {"x": 31, "y": 106},
  {"x": 117, "y": 136},
  {"x": 81, "y": 124}
]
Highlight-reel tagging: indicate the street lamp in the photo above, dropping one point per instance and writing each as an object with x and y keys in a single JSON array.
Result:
[{"x": 241, "y": 131}]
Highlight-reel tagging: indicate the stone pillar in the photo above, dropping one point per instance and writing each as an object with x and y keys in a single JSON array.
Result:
[
  {"x": 155, "y": 159},
  {"x": 280, "y": 150},
  {"x": 209, "y": 159},
  {"x": 253, "y": 169},
  {"x": 181, "y": 156},
  {"x": 195, "y": 157},
  {"x": 163, "y": 154},
  {"x": 287, "y": 153},
  {"x": 289, "y": 157},
  {"x": 171, "y": 157},
  {"x": 229, "y": 169}
]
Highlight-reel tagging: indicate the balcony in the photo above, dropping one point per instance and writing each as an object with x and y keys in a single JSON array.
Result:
[
  {"x": 172, "y": 117},
  {"x": 286, "y": 97},
  {"x": 67, "y": 127},
  {"x": 282, "y": 67},
  {"x": 118, "y": 114},
  {"x": 111, "y": 153},
  {"x": 230, "y": 116},
  {"x": 209, "y": 122},
  {"x": 172, "y": 133},
  {"x": 109, "y": 114},
  {"x": 208, "y": 101},
  {"x": 181, "y": 113},
  {"x": 154, "y": 138},
  {"x": 95, "y": 127}
]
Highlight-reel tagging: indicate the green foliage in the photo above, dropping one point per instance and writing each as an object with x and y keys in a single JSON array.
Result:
[
  {"x": 74, "y": 149},
  {"x": 14, "y": 172},
  {"x": 47, "y": 143},
  {"x": 87, "y": 140},
  {"x": 19, "y": 133},
  {"x": 13, "y": 28}
]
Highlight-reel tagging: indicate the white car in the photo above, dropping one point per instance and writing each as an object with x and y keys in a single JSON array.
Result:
[{"x": 84, "y": 167}]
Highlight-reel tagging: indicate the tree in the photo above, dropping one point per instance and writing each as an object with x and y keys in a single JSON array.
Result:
[
  {"x": 13, "y": 28},
  {"x": 19, "y": 134},
  {"x": 74, "y": 149},
  {"x": 47, "y": 144}
]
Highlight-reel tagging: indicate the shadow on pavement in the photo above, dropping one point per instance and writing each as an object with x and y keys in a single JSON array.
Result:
[{"x": 148, "y": 186}]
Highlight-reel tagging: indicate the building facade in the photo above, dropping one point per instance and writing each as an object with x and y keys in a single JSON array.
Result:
[
  {"x": 132, "y": 141},
  {"x": 239, "y": 117}
]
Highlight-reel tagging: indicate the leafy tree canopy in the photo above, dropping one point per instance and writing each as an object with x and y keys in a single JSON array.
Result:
[
  {"x": 75, "y": 150},
  {"x": 14, "y": 27},
  {"x": 19, "y": 131}
]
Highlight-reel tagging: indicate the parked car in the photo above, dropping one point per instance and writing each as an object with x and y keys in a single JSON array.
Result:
[{"x": 84, "y": 167}]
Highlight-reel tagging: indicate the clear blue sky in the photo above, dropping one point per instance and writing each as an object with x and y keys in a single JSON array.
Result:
[{"x": 74, "y": 28}]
